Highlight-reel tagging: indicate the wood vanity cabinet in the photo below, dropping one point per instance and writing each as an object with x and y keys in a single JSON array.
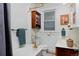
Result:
[
  {"x": 66, "y": 52},
  {"x": 36, "y": 20}
]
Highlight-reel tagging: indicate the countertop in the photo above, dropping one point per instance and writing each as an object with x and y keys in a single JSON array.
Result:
[{"x": 63, "y": 44}]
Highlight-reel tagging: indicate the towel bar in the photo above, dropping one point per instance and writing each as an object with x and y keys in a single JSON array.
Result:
[{"x": 16, "y": 29}]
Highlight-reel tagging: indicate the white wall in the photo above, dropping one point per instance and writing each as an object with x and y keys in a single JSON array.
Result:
[
  {"x": 21, "y": 19},
  {"x": 19, "y": 16},
  {"x": 43, "y": 35}
]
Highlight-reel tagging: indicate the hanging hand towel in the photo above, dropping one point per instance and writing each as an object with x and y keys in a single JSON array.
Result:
[{"x": 21, "y": 37}]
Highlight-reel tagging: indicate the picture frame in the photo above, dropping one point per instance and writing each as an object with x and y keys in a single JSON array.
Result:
[{"x": 64, "y": 19}]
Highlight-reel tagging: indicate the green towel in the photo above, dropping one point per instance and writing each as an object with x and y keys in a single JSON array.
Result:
[{"x": 21, "y": 37}]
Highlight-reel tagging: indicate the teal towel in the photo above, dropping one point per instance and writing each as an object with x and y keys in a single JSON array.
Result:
[{"x": 21, "y": 37}]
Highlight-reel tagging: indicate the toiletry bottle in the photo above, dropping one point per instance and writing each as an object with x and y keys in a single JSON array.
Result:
[{"x": 63, "y": 32}]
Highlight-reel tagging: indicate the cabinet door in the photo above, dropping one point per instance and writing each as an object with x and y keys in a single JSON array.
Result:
[
  {"x": 66, "y": 52},
  {"x": 59, "y": 51},
  {"x": 70, "y": 52},
  {"x": 36, "y": 20},
  {"x": 33, "y": 20}
]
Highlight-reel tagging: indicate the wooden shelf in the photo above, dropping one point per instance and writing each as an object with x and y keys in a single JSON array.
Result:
[{"x": 36, "y": 20}]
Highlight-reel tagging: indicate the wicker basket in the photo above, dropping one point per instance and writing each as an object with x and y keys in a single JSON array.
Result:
[{"x": 70, "y": 42}]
